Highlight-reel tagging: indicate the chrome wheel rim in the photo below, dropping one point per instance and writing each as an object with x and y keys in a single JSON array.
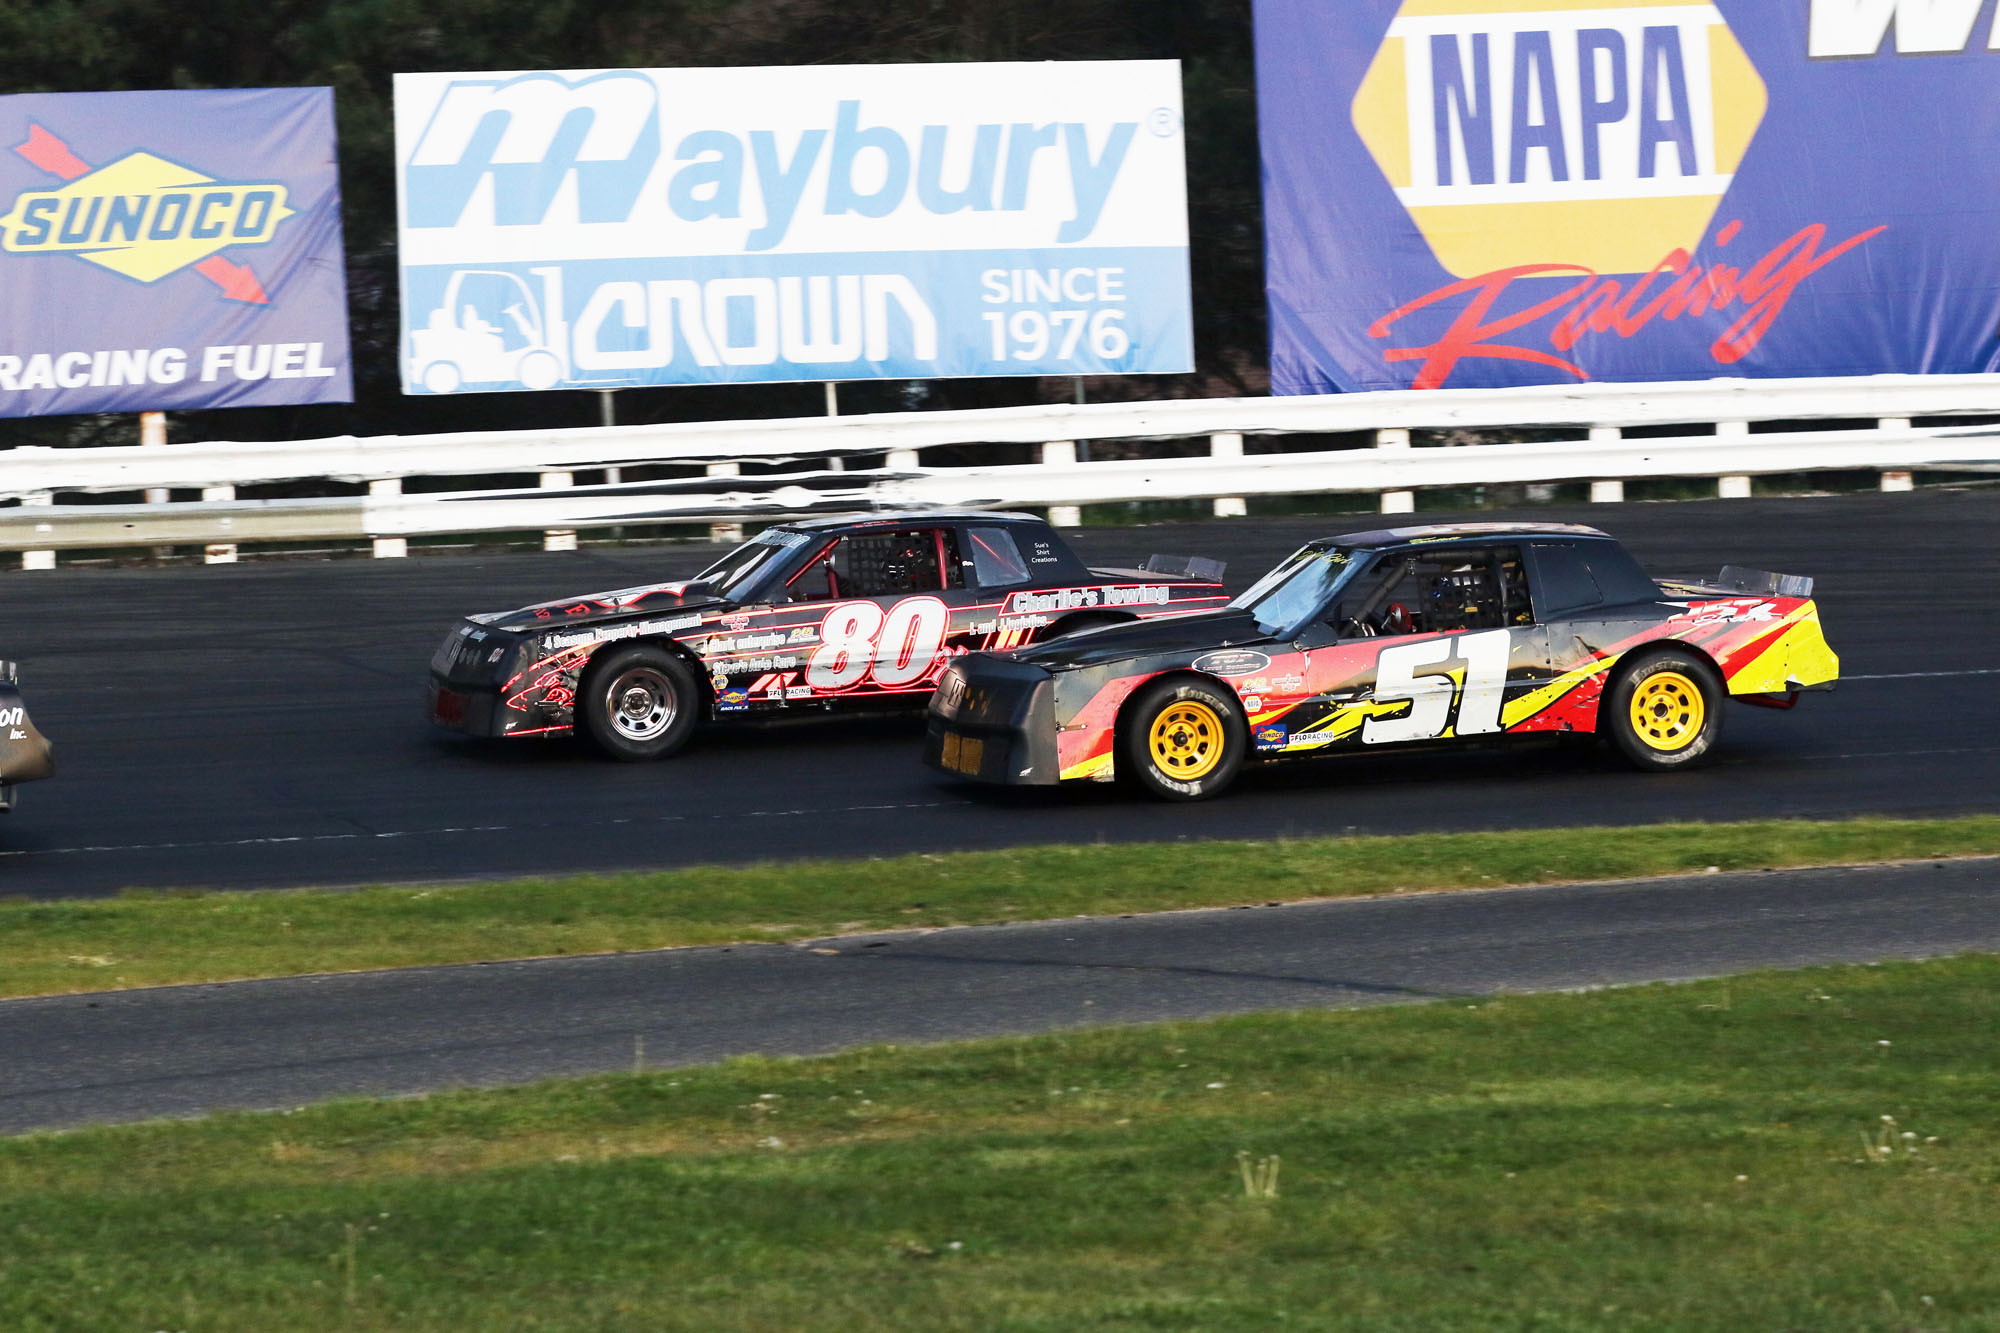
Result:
[{"x": 640, "y": 702}]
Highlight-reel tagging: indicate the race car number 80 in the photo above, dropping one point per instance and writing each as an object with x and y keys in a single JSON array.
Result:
[{"x": 857, "y": 640}]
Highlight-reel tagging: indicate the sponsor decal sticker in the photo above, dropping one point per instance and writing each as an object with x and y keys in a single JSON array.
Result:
[
  {"x": 1147, "y": 595},
  {"x": 669, "y": 626},
  {"x": 1232, "y": 662}
]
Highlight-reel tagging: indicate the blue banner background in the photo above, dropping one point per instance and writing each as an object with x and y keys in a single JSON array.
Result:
[
  {"x": 1900, "y": 142},
  {"x": 57, "y": 305}
]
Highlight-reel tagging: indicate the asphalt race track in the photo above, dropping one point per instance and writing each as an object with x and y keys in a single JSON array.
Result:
[
  {"x": 261, "y": 725},
  {"x": 190, "y": 1049}
]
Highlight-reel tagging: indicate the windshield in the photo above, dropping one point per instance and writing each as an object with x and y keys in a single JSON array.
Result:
[
  {"x": 741, "y": 566},
  {"x": 1284, "y": 599}
]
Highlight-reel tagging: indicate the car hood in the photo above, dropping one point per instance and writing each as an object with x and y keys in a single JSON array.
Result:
[
  {"x": 1196, "y": 633},
  {"x": 650, "y": 599}
]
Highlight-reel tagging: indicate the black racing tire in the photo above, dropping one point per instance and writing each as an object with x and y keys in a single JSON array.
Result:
[
  {"x": 1182, "y": 739},
  {"x": 638, "y": 702},
  {"x": 1665, "y": 712}
]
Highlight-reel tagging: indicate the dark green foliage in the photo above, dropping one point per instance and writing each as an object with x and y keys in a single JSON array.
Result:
[{"x": 355, "y": 46}]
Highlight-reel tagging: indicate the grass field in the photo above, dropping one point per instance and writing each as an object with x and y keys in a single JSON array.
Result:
[
  {"x": 155, "y": 939},
  {"x": 1809, "y": 1150}
]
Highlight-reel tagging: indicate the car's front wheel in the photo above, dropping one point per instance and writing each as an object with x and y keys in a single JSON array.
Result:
[
  {"x": 638, "y": 703},
  {"x": 1182, "y": 739},
  {"x": 1666, "y": 712}
]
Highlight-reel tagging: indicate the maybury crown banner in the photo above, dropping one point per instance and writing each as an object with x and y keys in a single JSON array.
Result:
[
  {"x": 585, "y": 229},
  {"x": 1468, "y": 193},
  {"x": 170, "y": 250}
]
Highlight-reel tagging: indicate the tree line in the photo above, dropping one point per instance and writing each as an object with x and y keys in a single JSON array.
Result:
[{"x": 355, "y": 46}]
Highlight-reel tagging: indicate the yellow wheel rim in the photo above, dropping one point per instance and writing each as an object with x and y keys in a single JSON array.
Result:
[
  {"x": 1668, "y": 711},
  {"x": 1186, "y": 740}
]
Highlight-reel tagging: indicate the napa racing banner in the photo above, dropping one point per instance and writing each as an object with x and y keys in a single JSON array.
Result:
[
  {"x": 602, "y": 229},
  {"x": 170, "y": 250},
  {"x": 1474, "y": 193}
]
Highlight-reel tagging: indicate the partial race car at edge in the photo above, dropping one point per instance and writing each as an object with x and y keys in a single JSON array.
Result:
[
  {"x": 1407, "y": 636},
  {"x": 822, "y": 615},
  {"x": 25, "y": 754}
]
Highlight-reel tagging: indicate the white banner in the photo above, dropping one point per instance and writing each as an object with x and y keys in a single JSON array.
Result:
[{"x": 599, "y": 229}]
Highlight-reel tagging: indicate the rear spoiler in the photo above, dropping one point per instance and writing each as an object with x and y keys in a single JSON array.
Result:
[
  {"x": 1185, "y": 566},
  {"x": 1760, "y": 583}
]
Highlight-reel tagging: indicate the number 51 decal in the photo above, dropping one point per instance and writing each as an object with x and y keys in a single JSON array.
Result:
[{"x": 1430, "y": 692}]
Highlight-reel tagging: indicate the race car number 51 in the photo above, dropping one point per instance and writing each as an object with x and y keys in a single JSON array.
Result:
[
  {"x": 858, "y": 640},
  {"x": 1430, "y": 693}
]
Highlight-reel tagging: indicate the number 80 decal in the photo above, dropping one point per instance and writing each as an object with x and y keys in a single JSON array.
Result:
[{"x": 857, "y": 640}]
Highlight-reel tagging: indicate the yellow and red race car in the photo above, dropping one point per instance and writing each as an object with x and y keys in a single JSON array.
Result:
[{"x": 1409, "y": 635}]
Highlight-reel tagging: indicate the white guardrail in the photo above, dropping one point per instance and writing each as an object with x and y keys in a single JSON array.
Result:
[{"x": 803, "y": 461}]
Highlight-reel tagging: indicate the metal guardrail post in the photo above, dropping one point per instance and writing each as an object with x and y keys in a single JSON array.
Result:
[
  {"x": 1896, "y": 481},
  {"x": 1228, "y": 444},
  {"x": 725, "y": 532},
  {"x": 389, "y": 548},
  {"x": 1607, "y": 492},
  {"x": 38, "y": 559},
  {"x": 1736, "y": 487},
  {"x": 558, "y": 539},
  {"x": 219, "y": 553},
  {"x": 1060, "y": 452},
  {"x": 1396, "y": 502}
]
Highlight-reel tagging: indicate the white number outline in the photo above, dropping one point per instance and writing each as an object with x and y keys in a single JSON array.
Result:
[
  {"x": 854, "y": 635},
  {"x": 1485, "y": 654}
]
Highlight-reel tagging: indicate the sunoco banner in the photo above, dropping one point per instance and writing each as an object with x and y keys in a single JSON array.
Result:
[
  {"x": 691, "y": 226},
  {"x": 170, "y": 250},
  {"x": 1493, "y": 192}
]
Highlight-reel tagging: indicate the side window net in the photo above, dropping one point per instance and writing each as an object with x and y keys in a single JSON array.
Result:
[
  {"x": 881, "y": 564},
  {"x": 1430, "y": 593}
]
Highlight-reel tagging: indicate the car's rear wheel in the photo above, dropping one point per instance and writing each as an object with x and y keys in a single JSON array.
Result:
[
  {"x": 1182, "y": 739},
  {"x": 1666, "y": 712},
  {"x": 638, "y": 703}
]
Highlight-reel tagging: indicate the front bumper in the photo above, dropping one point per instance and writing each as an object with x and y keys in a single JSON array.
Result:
[
  {"x": 485, "y": 682},
  {"x": 472, "y": 711},
  {"x": 993, "y": 720}
]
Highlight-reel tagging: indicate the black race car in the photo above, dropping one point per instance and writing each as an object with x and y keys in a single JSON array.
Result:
[
  {"x": 825, "y": 614},
  {"x": 25, "y": 754},
  {"x": 1400, "y": 636}
]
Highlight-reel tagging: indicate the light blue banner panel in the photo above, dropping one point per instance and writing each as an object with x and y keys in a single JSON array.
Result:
[
  {"x": 652, "y": 227},
  {"x": 610, "y": 323}
]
